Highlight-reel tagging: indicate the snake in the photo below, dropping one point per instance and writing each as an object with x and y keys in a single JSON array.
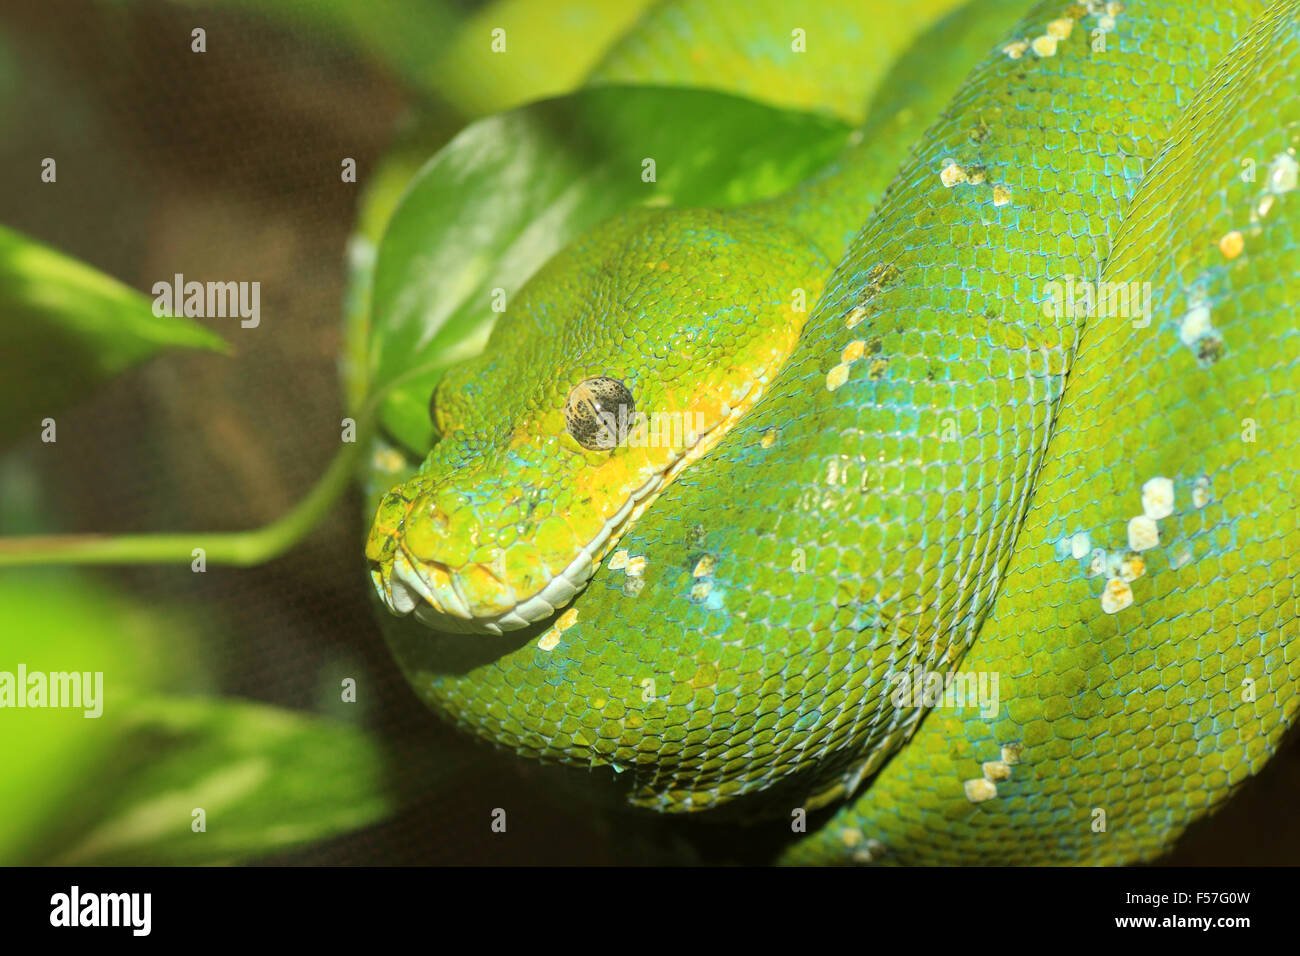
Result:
[{"x": 940, "y": 510}]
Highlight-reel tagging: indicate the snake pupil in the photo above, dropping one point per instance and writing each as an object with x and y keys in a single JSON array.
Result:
[{"x": 598, "y": 412}]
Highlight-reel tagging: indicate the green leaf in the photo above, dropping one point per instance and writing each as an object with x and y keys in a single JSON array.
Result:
[
  {"x": 56, "y": 620},
  {"x": 121, "y": 787},
  {"x": 550, "y": 47},
  {"x": 383, "y": 190},
  {"x": 265, "y": 778},
  {"x": 512, "y": 190},
  {"x": 68, "y": 328}
]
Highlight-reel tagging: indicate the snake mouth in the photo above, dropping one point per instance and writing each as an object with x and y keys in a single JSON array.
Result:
[
  {"x": 438, "y": 595},
  {"x": 433, "y": 593}
]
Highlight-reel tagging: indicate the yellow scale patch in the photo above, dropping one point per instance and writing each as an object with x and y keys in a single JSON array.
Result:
[{"x": 979, "y": 789}]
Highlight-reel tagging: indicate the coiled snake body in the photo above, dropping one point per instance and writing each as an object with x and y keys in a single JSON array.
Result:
[{"x": 995, "y": 546}]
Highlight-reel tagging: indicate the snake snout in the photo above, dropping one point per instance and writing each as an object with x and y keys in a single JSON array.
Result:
[{"x": 432, "y": 556}]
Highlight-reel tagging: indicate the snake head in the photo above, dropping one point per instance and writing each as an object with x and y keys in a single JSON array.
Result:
[{"x": 621, "y": 362}]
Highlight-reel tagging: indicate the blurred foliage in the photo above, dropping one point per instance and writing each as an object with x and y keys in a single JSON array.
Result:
[
  {"x": 75, "y": 328},
  {"x": 121, "y": 787},
  {"x": 265, "y": 779},
  {"x": 51, "y": 756}
]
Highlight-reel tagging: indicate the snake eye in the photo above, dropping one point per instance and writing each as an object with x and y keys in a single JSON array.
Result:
[{"x": 598, "y": 412}]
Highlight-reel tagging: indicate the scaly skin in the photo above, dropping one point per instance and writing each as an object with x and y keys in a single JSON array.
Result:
[
  {"x": 1127, "y": 727},
  {"x": 934, "y": 439}
]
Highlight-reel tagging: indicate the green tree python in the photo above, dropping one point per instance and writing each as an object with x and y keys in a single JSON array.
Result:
[{"x": 950, "y": 494}]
